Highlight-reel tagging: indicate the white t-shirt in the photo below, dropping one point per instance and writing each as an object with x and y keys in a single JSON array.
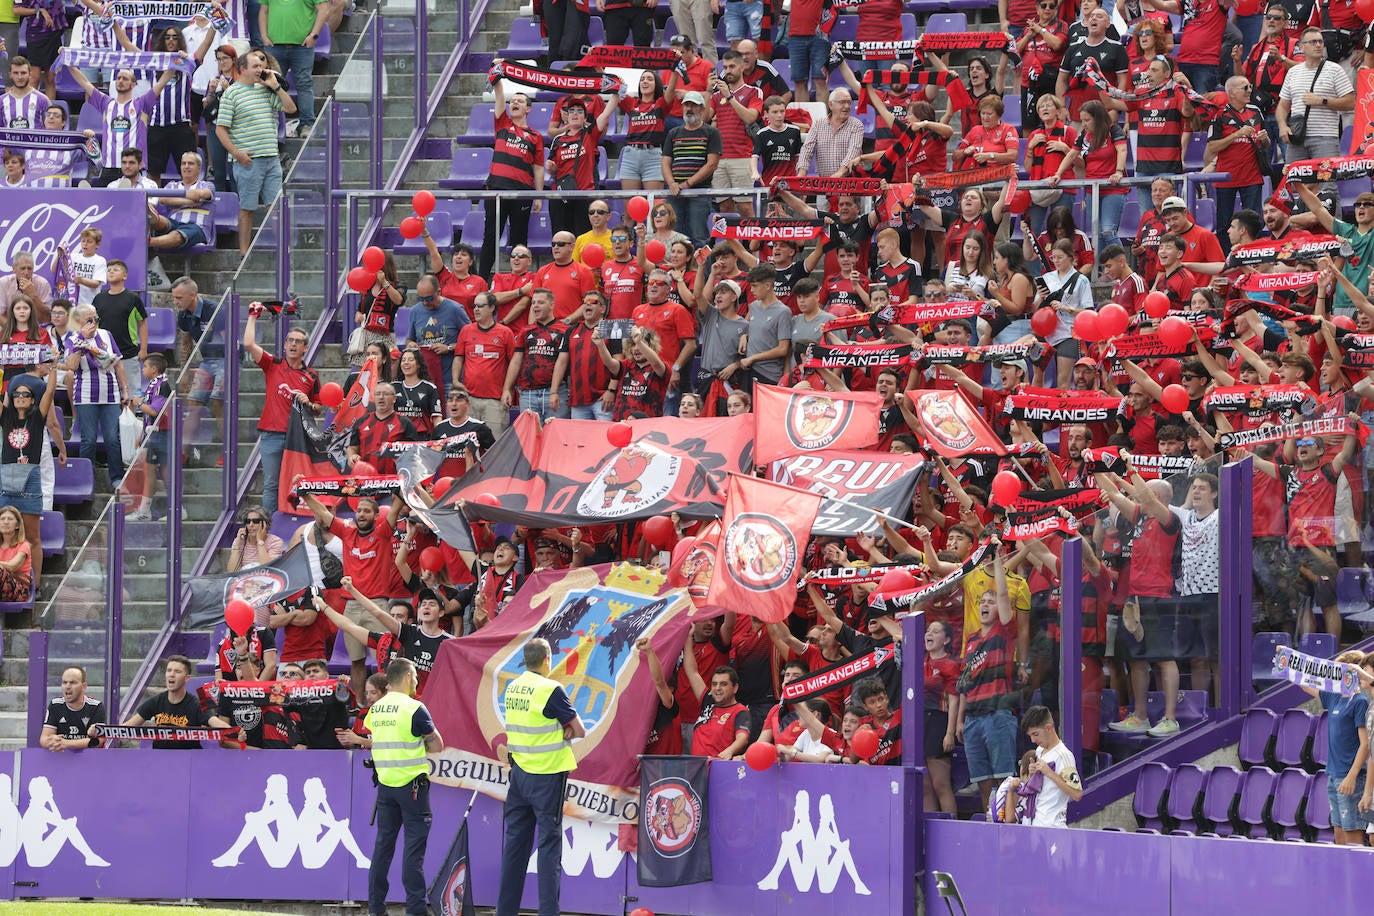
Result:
[
  {"x": 1051, "y": 804},
  {"x": 92, "y": 268},
  {"x": 1201, "y": 552}
]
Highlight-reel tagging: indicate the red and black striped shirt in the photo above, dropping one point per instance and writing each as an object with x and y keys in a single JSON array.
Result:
[
  {"x": 540, "y": 344},
  {"x": 587, "y": 375},
  {"x": 987, "y": 682},
  {"x": 1160, "y": 125},
  {"x": 516, "y": 153}
]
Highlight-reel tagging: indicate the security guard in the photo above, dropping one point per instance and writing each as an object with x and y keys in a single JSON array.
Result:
[
  {"x": 540, "y": 725},
  {"x": 402, "y": 733}
]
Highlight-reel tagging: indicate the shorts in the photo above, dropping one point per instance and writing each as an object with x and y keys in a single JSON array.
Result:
[
  {"x": 1316, "y": 574},
  {"x": 208, "y": 382},
  {"x": 1345, "y": 811},
  {"x": 191, "y": 234},
  {"x": 21, "y": 486},
  {"x": 808, "y": 54},
  {"x": 1159, "y": 620},
  {"x": 734, "y": 173},
  {"x": 157, "y": 447},
  {"x": 990, "y": 745},
  {"x": 1068, "y": 348},
  {"x": 353, "y": 610},
  {"x": 259, "y": 182},
  {"x": 937, "y": 721},
  {"x": 743, "y": 19},
  {"x": 641, "y": 163},
  {"x": 1200, "y": 616},
  {"x": 42, "y": 51}
]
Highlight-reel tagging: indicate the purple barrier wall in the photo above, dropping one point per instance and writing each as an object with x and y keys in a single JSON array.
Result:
[
  {"x": 40, "y": 219},
  {"x": 294, "y": 826},
  {"x": 1064, "y": 870}
]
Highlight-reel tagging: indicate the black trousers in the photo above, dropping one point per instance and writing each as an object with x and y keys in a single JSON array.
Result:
[
  {"x": 567, "y": 28},
  {"x": 629, "y": 20},
  {"x": 516, "y": 215}
]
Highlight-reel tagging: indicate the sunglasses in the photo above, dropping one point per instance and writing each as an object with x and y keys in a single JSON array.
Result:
[
  {"x": 561, "y": 244},
  {"x": 660, "y": 213},
  {"x": 519, "y": 254},
  {"x": 23, "y": 394},
  {"x": 1278, "y": 18},
  {"x": 620, "y": 238},
  {"x": 1364, "y": 203},
  {"x": 1048, "y": 6},
  {"x": 599, "y": 212},
  {"x": 1188, "y": 376},
  {"x": 1302, "y": 442},
  {"x": 658, "y": 282},
  {"x": 255, "y": 521}
]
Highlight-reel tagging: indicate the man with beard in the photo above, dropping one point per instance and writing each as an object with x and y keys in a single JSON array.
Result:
[
  {"x": 591, "y": 390},
  {"x": 735, "y": 106},
  {"x": 378, "y": 428},
  {"x": 419, "y": 643},
  {"x": 539, "y": 351},
  {"x": 691, "y": 154},
  {"x": 1360, "y": 234},
  {"x": 22, "y": 105},
  {"x": 175, "y": 708}
]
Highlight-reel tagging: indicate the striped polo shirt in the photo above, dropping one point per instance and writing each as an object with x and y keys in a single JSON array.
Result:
[
  {"x": 198, "y": 214},
  {"x": 93, "y": 384},
  {"x": 23, "y": 112},
  {"x": 126, "y": 124},
  {"x": 249, "y": 113}
]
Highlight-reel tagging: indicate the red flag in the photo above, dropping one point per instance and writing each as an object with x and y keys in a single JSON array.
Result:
[
  {"x": 357, "y": 398},
  {"x": 765, "y": 529},
  {"x": 789, "y": 421},
  {"x": 951, "y": 426}
]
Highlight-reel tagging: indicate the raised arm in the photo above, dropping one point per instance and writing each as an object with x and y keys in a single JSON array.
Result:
[
  {"x": 391, "y": 624},
  {"x": 665, "y": 693}
]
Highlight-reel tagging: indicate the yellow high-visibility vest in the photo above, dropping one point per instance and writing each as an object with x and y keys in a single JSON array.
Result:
[
  {"x": 397, "y": 753},
  {"x": 534, "y": 740}
]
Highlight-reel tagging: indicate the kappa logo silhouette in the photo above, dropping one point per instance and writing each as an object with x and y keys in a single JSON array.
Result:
[
  {"x": 40, "y": 831},
  {"x": 587, "y": 843},
  {"x": 280, "y": 833},
  {"x": 813, "y": 853}
]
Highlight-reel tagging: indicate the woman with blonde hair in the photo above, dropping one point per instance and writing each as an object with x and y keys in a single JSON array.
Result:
[{"x": 16, "y": 557}]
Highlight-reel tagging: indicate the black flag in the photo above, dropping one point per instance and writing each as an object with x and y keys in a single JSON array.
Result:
[
  {"x": 259, "y": 586},
  {"x": 451, "y": 892},
  {"x": 674, "y": 833}
]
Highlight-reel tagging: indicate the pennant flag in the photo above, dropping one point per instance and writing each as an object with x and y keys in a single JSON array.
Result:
[
  {"x": 765, "y": 528},
  {"x": 358, "y": 397},
  {"x": 674, "y": 821},
  {"x": 566, "y": 473},
  {"x": 288, "y": 574},
  {"x": 417, "y": 462},
  {"x": 1313, "y": 671},
  {"x": 877, "y": 481},
  {"x": 591, "y": 617},
  {"x": 951, "y": 426},
  {"x": 789, "y": 421},
  {"x": 310, "y": 452},
  {"x": 451, "y": 892}
]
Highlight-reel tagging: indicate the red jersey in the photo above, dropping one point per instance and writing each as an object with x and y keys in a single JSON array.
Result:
[
  {"x": 1311, "y": 505},
  {"x": 735, "y": 141},
  {"x": 587, "y": 375},
  {"x": 1039, "y": 58},
  {"x": 1151, "y": 230},
  {"x": 1202, "y": 245},
  {"x": 903, "y": 279},
  {"x": 504, "y": 283},
  {"x": 1178, "y": 285},
  {"x": 573, "y": 158},
  {"x": 1152, "y": 558},
  {"x": 941, "y": 676},
  {"x": 516, "y": 153},
  {"x": 282, "y": 384},
  {"x": 623, "y": 284},
  {"x": 568, "y": 283},
  {"x": 1000, "y": 139},
  {"x": 709, "y": 656},
  {"x": 1042, "y": 162},
  {"x": 540, "y": 345},
  {"x": 372, "y": 432},
  {"x": 464, "y": 291},
  {"x": 673, "y": 324},
  {"x": 699, "y": 73},
  {"x": 367, "y": 558},
  {"x": 839, "y": 296},
  {"x": 486, "y": 352},
  {"x": 641, "y": 389},
  {"x": 1240, "y": 157},
  {"x": 988, "y": 662},
  {"x": 646, "y": 124},
  {"x": 1130, "y": 292},
  {"x": 1101, "y": 161},
  {"x": 718, "y": 727},
  {"x": 1204, "y": 22},
  {"x": 889, "y": 751},
  {"x": 960, "y": 227},
  {"x": 1268, "y": 519}
]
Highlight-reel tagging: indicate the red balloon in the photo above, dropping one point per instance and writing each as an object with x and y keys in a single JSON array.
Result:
[
  {"x": 655, "y": 251},
  {"x": 761, "y": 755},
  {"x": 422, "y": 203},
  {"x": 364, "y": 469},
  {"x": 1112, "y": 320},
  {"x": 412, "y": 227},
  {"x": 1006, "y": 487},
  {"x": 1174, "y": 398},
  {"x": 485, "y": 499},
  {"x": 641, "y": 911},
  {"x": 441, "y": 486},
  {"x": 1345, "y": 322},
  {"x": 864, "y": 743},
  {"x": 619, "y": 434},
  {"x": 1175, "y": 331},
  {"x": 637, "y": 208},
  {"x": 239, "y": 615},
  {"x": 896, "y": 580},
  {"x": 683, "y": 547},
  {"x": 1020, "y": 202},
  {"x": 1248, "y": 7},
  {"x": 331, "y": 394},
  {"x": 431, "y": 559},
  {"x": 1366, "y": 9},
  {"x": 1085, "y": 326},
  {"x": 1044, "y": 321},
  {"x": 659, "y": 532},
  {"x": 1157, "y": 304},
  {"x": 593, "y": 256},
  {"x": 374, "y": 258},
  {"x": 360, "y": 279}
]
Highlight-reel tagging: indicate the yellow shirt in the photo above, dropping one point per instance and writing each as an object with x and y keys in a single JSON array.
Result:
[
  {"x": 980, "y": 581},
  {"x": 592, "y": 237}
]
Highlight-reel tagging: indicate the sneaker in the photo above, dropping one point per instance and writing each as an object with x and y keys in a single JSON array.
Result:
[
  {"x": 1130, "y": 724},
  {"x": 1165, "y": 728},
  {"x": 143, "y": 515}
]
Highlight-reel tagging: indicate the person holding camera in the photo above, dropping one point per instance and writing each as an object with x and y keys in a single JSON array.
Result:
[{"x": 247, "y": 128}]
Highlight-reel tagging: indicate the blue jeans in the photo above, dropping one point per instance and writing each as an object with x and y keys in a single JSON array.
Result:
[
  {"x": 1109, "y": 219},
  {"x": 693, "y": 214},
  {"x": 1251, "y": 198},
  {"x": 400, "y": 806},
  {"x": 743, "y": 19},
  {"x": 300, "y": 60},
  {"x": 808, "y": 54},
  {"x": 593, "y": 411},
  {"x": 1202, "y": 76},
  {"x": 537, "y": 399},
  {"x": 532, "y": 799},
  {"x": 102, "y": 420},
  {"x": 251, "y": 17},
  {"x": 271, "y": 446}
]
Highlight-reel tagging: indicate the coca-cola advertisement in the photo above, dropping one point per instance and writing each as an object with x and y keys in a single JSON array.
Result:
[{"x": 39, "y": 220}]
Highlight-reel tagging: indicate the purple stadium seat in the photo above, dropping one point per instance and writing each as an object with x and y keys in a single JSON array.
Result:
[
  {"x": 1012, "y": 115},
  {"x": 1223, "y": 783},
  {"x": 471, "y": 165},
  {"x": 402, "y": 323},
  {"x": 398, "y": 36},
  {"x": 1130, "y": 218},
  {"x": 525, "y": 40},
  {"x": 846, "y": 29},
  {"x": 1322, "y": 645},
  {"x": 908, "y": 26},
  {"x": 1193, "y": 155},
  {"x": 1290, "y": 794},
  {"x": 596, "y": 31},
  {"x": 1315, "y": 759},
  {"x": 225, "y": 214},
  {"x": 162, "y": 329},
  {"x": 541, "y": 234},
  {"x": 207, "y": 664},
  {"x": 1290, "y": 742},
  {"x": 947, "y": 22},
  {"x": 1256, "y": 788},
  {"x": 1257, "y": 737},
  {"x": 784, "y": 68},
  {"x": 1185, "y": 792},
  {"x": 1192, "y": 707},
  {"x": 284, "y": 524},
  {"x": 473, "y": 227},
  {"x": 339, "y": 662},
  {"x": 1151, "y": 787},
  {"x": 52, "y": 533},
  {"x": 74, "y": 483},
  {"x": 1262, "y": 657},
  {"x": 540, "y": 116},
  {"x": 1108, "y": 709},
  {"x": 1205, "y": 213},
  {"x": 1315, "y": 816},
  {"x": 481, "y": 125}
]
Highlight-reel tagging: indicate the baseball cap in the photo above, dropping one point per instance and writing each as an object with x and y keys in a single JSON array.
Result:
[
  {"x": 694, "y": 98},
  {"x": 731, "y": 285},
  {"x": 1086, "y": 361},
  {"x": 1172, "y": 203}
]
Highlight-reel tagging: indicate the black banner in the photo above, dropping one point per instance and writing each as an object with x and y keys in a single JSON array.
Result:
[
  {"x": 674, "y": 821},
  {"x": 319, "y": 692},
  {"x": 880, "y": 604},
  {"x": 310, "y": 452},
  {"x": 856, "y": 356},
  {"x": 260, "y": 586},
  {"x": 451, "y": 892}
]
